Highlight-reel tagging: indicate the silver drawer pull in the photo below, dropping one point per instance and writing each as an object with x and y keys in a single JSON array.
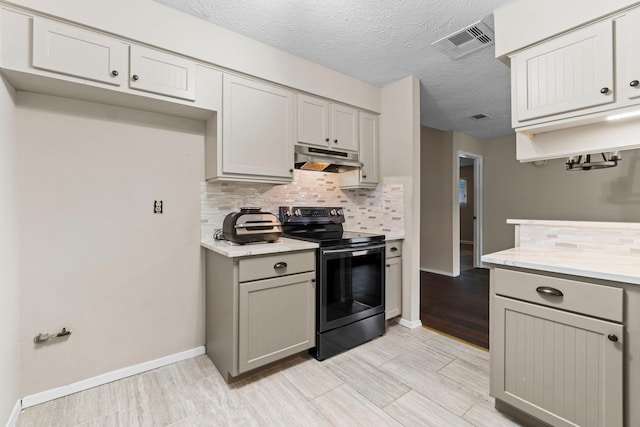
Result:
[
  {"x": 546, "y": 290},
  {"x": 279, "y": 265}
]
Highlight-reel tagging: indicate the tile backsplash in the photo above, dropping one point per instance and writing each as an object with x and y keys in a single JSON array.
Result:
[
  {"x": 586, "y": 239},
  {"x": 375, "y": 210}
]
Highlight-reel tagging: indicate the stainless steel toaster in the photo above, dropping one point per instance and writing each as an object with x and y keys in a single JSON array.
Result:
[{"x": 251, "y": 225}]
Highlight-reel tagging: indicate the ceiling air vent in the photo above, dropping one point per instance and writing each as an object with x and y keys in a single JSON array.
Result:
[
  {"x": 479, "y": 116},
  {"x": 469, "y": 39}
]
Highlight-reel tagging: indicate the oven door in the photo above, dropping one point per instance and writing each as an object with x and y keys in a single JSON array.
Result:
[{"x": 351, "y": 284}]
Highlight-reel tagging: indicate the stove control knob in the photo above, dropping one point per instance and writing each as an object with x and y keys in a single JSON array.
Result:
[
  {"x": 340, "y": 212},
  {"x": 287, "y": 213},
  {"x": 297, "y": 212},
  {"x": 333, "y": 212}
]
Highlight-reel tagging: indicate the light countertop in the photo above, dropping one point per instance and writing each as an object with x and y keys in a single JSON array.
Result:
[
  {"x": 230, "y": 250},
  {"x": 580, "y": 224},
  {"x": 619, "y": 268}
]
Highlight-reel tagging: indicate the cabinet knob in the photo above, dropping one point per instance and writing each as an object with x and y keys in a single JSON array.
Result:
[
  {"x": 326, "y": 140},
  {"x": 115, "y": 73},
  {"x": 135, "y": 78},
  {"x": 290, "y": 170},
  {"x": 388, "y": 265},
  {"x": 634, "y": 83},
  {"x": 313, "y": 280},
  {"x": 393, "y": 249},
  {"x": 279, "y": 265},
  {"x": 604, "y": 90},
  {"x": 335, "y": 141},
  {"x": 612, "y": 337},
  {"x": 364, "y": 176},
  {"x": 546, "y": 290}
]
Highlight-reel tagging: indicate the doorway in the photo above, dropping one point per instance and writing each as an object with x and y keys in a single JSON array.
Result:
[{"x": 468, "y": 229}]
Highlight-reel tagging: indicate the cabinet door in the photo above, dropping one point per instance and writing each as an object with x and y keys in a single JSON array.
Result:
[
  {"x": 276, "y": 319},
  {"x": 258, "y": 128},
  {"x": 393, "y": 288},
  {"x": 368, "y": 147},
  {"x": 344, "y": 127},
  {"x": 313, "y": 121},
  {"x": 161, "y": 73},
  {"x": 558, "y": 366},
  {"x": 76, "y": 52},
  {"x": 628, "y": 36},
  {"x": 571, "y": 72}
]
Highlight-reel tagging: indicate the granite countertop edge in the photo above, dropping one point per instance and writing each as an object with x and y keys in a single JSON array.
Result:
[{"x": 282, "y": 245}]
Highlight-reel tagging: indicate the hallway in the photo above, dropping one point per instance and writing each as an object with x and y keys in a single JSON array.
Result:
[{"x": 458, "y": 306}]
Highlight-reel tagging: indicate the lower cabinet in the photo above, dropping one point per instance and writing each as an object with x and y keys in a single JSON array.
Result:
[
  {"x": 393, "y": 279},
  {"x": 259, "y": 309},
  {"x": 558, "y": 366},
  {"x": 276, "y": 319}
]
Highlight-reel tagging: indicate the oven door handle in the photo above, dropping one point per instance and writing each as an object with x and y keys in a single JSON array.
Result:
[{"x": 355, "y": 251}]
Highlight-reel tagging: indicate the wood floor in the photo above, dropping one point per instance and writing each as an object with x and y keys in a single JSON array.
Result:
[
  {"x": 405, "y": 378},
  {"x": 458, "y": 306}
]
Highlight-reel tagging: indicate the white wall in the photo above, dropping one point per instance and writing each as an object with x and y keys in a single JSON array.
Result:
[
  {"x": 400, "y": 163},
  {"x": 158, "y": 25},
  {"x": 524, "y": 191},
  {"x": 525, "y": 22},
  {"x": 9, "y": 250},
  {"x": 96, "y": 260}
]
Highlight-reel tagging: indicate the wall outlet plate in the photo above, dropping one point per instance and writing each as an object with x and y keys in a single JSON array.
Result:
[{"x": 157, "y": 206}]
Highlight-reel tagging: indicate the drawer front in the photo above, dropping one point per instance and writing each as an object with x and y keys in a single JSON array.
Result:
[
  {"x": 592, "y": 300},
  {"x": 263, "y": 267},
  {"x": 394, "y": 248}
]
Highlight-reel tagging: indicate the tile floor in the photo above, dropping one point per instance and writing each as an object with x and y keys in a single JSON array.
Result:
[{"x": 405, "y": 378}]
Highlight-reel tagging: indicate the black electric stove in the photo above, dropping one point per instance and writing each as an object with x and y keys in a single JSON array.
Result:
[
  {"x": 321, "y": 225},
  {"x": 350, "y": 277}
]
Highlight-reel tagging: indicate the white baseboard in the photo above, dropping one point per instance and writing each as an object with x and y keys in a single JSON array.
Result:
[
  {"x": 45, "y": 396},
  {"x": 13, "y": 418},
  {"x": 409, "y": 324},
  {"x": 443, "y": 273}
]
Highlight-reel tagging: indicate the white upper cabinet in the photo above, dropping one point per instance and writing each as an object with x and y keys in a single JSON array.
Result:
[
  {"x": 313, "y": 120},
  {"x": 369, "y": 173},
  {"x": 571, "y": 72},
  {"x": 161, "y": 73},
  {"x": 77, "y": 52},
  {"x": 627, "y": 40},
  {"x": 327, "y": 125},
  {"x": 258, "y": 131},
  {"x": 344, "y": 127}
]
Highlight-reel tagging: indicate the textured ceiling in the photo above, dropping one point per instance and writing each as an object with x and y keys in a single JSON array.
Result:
[{"x": 379, "y": 42}]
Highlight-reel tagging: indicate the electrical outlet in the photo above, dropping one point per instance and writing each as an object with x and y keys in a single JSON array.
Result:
[{"x": 157, "y": 206}]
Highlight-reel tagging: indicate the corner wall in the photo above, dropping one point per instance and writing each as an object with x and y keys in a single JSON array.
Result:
[
  {"x": 400, "y": 164},
  {"x": 9, "y": 250},
  {"x": 96, "y": 259}
]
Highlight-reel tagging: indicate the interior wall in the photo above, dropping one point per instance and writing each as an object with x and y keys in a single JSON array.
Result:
[
  {"x": 9, "y": 250},
  {"x": 523, "y": 191},
  {"x": 399, "y": 152},
  {"x": 466, "y": 211},
  {"x": 97, "y": 260},
  {"x": 436, "y": 199}
]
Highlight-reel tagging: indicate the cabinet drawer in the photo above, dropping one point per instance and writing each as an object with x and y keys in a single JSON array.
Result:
[
  {"x": 593, "y": 300},
  {"x": 263, "y": 267},
  {"x": 394, "y": 248}
]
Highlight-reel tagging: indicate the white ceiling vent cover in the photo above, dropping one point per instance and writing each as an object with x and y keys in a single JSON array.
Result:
[{"x": 469, "y": 39}]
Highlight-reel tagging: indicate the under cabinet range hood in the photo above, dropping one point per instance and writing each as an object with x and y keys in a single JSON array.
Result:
[{"x": 324, "y": 160}]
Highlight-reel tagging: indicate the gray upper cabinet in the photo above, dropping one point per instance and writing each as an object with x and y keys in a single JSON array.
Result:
[{"x": 368, "y": 176}]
